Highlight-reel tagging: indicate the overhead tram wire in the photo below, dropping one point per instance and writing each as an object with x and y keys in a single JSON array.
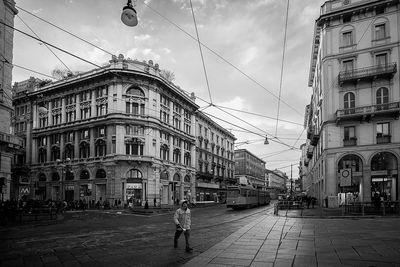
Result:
[
  {"x": 283, "y": 60},
  {"x": 201, "y": 51},
  {"x": 56, "y": 47},
  {"x": 44, "y": 44},
  {"x": 68, "y": 32},
  {"x": 222, "y": 58}
]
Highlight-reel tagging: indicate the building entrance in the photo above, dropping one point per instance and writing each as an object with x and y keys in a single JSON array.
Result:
[{"x": 384, "y": 187}]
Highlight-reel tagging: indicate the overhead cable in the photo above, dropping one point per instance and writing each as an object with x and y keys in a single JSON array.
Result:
[
  {"x": 83, "y": 40},
  {"x": 56, "y": 47}
]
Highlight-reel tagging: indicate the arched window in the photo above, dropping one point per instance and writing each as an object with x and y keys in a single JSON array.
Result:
[
  {"x": 164, "y": 152},
  {"x": 134, "y": 101},
  {"x": 101, "y": 174},
  {"x": 100, "y": 148},
  {"x": 84, "y": 150},
  {"x": 42, "y": 177},
  {"x": 134, "y": 173},
  {"x": 349, "y": 102},
  {"x": 69, "y": 151},
  {"x": 164, "y": 175},
  {"x": 350, "y": 161},
  {"x": 135, "y": 91},
  {"x": 42, "y": 155},
  {"x": 383, "y": 161},
  {"x": 384, "y": 176},
  {"x": 187, "y": 159},
  {"x": 55, "y": 177},
  {"x": 382, "y": 98},
  {"x": 187, "y": 179},
  {"x": 55, "y": 153},
  {"x": 84, "y": 175},
  {"x": 176, "y": 178},
  {"x": 177, "y": 155},
  {"x": 69, "y": 175}
]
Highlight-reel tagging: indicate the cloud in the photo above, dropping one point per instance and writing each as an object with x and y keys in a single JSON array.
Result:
[
  {"x": 142, "y": 37},
  {"x": 150, "y": 54},
  {"x": 36, "y": 11},
  {"x": 248, "y": 55}
]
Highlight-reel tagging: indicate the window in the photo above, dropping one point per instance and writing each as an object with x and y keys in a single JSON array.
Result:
[
  {"x": 164, "y": 152},
  {"x": 100, "y": 148},
  {"x": 85, "y": 96},
  {"x": 102, "y": 91},
  {"x": 69, "y": 151},
  {"x": 135, "y": 91},
  {"x": 84, "y": 150},
  {"x": 350, "y": 136},
  {"x": 349, "y": 103},
  {"x": 382, "y": 98},
  {"x": 134, "y": 130},
  {"x": 70, "y": 99},
  {"x": 382, "y": 129},
  {"x": 347, "y": 38},
  {"x": 348, "y": 65},
  {"x": 84, "y": 134},
  {"x": 70, "y": 115},
  {"x": 177, "y": 156},
  {"x": 86, "y": 112},
  {"x": 381, "y": 60},
  {"x": 380, "y": 31},
  {"x": 134, "y": 148},
  {"x": 177, "y": 122},
  {"x": 101, "y": 109},
  {"x": 347, "y": 18}
]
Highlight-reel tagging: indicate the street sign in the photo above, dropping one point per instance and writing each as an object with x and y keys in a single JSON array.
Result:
[
  {"x": 345, "y": 177},
  {"x": 24, "y": 190}
]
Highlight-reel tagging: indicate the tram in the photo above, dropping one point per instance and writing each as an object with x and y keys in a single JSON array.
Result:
[{"x": 244, "y": 196}]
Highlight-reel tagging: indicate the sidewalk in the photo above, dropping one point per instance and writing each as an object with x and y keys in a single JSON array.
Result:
[{"x": 284, "y": 241}]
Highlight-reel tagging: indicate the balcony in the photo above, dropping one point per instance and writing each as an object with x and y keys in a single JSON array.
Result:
[
  {"x": 383, "y": 139},
  {"x": 352, "y": 141},
  {"x": 365, "y": 113},
  {"x": 314, "y": 137},
  {"x": 368, "y": 73},
  {"x": 10, "y": 141}
]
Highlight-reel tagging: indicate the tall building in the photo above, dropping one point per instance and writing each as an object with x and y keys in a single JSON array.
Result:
[
  {"x": 249, "y": 168},
  {"x": 353, "y": 125},
  {"x": 121, "y": 132},
  {"x": 215, "y": 159},
  {"x": 277, "y": 180},
  {"x": 8, "y": 142}
]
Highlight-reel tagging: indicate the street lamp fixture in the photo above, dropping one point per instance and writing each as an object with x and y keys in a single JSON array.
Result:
[{"x": 129, "y": 15}]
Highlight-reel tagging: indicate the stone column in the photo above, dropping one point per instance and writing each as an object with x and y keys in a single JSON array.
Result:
[
  {"x": 91, "y": 142},
  {"x": 48, "y": 146},
  {"x": 34, "y": 152},
  {"x": 62, "y": 146},
  {"x": 365, "y": 190},
  {"x": 49, "y": 115},
  {"x": 63, "y": 115},
  {"x": 78, "y": 107},
  {"x": 76, "y": 145},
  {"x": 171, "y": 148}
]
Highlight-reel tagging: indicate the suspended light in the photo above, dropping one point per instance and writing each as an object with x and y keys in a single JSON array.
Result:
[
  {"x": 129, "y": 16},
  {"x": 266, "y": 141}
]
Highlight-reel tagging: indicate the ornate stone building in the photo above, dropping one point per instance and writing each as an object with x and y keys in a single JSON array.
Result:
[
  {"x": 353, "y": 125},
  {"x": 8, "y": 143},
  {"x": 215, "y": 159}
]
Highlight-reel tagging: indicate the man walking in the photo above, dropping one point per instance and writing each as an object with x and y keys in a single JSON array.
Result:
[{"x": 182, "y": 219}]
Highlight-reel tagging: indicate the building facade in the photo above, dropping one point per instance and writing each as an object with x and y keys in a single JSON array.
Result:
[
  {"x": 121, "y": 132},
  {"x": 8, "y": 143},
  {"x": 249, "y": 168},
  {"x": 215, "y": 163},
  {"x": 353, "y": 126}
]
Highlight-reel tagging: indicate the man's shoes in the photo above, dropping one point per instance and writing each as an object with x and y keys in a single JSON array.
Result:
[{"x": 188, "y": 249}]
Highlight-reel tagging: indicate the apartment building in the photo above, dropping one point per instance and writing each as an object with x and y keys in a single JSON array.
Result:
[
  {"x": 249, "y": 168},
  {"x": 215, "y": 163},
  {"x": 352, "y": 121}
]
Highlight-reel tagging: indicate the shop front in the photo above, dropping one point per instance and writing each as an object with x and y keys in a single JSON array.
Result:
[{"x": 206, "y": 192}]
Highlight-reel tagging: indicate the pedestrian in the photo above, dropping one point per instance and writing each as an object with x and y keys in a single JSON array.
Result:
[
  {"x": 146, "y": 205},
  {"x": 313, "y": 201},
  {"x": 155, "y": 202},
  {"x": 182, "y": 219},
  {"x": 308, "y": 199}
]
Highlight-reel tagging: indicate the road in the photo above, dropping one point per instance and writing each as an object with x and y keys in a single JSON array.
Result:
[{"x": 97, "y": 238}]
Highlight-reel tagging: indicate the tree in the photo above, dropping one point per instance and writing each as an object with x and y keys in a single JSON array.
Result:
[{"x": 168, "y": 75}]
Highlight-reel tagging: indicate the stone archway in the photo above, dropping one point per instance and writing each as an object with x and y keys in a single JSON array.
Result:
[{"x": 384, "y": 176}]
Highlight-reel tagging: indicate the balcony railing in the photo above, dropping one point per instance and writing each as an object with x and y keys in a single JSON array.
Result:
[
  {"x": 378, "y": 71},
  {"x": 383, "y": 139},
  {"x": 11, "y": 140},
  {"x": 350, "y": 142},
  {"x": 365, "y": 112}
]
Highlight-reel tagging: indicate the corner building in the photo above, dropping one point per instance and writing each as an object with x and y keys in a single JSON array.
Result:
[
  {"x": 353, "y": 125},
  {"x": 120, "y": 132}
]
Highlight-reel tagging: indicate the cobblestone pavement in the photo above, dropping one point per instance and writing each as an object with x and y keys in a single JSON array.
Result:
[
  {"x": 283, "y": 241},
  {"x": 98, "y": 238}
]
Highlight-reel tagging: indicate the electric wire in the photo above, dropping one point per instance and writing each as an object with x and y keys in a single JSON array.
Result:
[
  {"x": 44, "y": 44},
  {"x": 56, "y": 47},
  {"x": 201, "y": 51},
  {"x": 283, "y": 60},
  {"x": 52, "y": 24},
  {"x": 222, "y": 58}
]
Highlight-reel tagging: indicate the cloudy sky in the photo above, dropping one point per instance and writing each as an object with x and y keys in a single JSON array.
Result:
[{"x": 243, "y": 58}]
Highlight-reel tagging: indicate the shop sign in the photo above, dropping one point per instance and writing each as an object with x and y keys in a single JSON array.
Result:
[
  {"x": 69, "y": 187},
  {"x": 207, "y": 185},
  {"x": 133, "y": 186}
]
